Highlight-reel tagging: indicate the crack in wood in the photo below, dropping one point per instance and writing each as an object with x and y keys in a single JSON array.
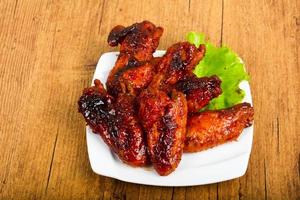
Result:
[
  {"x": 265, "y": 173},
  {"x": 222, "y": 21},
  {"x": 190, "y": 5},
  {"x": 51, "y": 163},
  {"x": 91, "y": 65},
  {"x": 278, "y": 133},
  {"x": 217, "y": 191},
  {"x": 101, "y": 16},
  {"x": 53, "y": 44},
  {"x": 240, "y": 191},
  {"x": 89, "y": 35},
  {"x": 15, "y": 8},
  {"x": 172, "y": 197}
]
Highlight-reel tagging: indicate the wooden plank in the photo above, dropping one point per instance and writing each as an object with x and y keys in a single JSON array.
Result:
[
  {"x": 42, "y": 68},
  {"x": 266, "y": 35},
  {"x": 70, "y": 175},
  {"x": 25, "y": 140}
]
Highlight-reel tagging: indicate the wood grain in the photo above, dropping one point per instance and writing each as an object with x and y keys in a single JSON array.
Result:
[
  {"x": 48, "y": 53},
  {"x": 274, "y": 69}
]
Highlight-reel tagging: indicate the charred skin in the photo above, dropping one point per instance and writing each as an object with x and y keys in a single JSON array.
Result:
[
  {"x": 137, "y": 44},
  {"x": 172, "y": 128},
  {"x": 211, "y": 128},
  {"x": 96, "y": 107},
  {"x": 165, "y": 123},
  {"x": 131, "y": 137},
  {"x": 199, "y": 91},
  {"x": 138, "y": 40},
  {"x": 178, "y": 62},
  {"x": 116, "y": 122}
]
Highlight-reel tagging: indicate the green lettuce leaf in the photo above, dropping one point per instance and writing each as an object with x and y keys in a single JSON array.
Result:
[{"x": 227, "y": 65}]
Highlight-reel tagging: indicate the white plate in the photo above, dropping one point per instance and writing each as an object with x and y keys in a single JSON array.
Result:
[{"x": 224, "y": 162}]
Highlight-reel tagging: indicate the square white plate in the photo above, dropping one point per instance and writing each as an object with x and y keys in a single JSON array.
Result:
[{"x": 224, "y": 162}]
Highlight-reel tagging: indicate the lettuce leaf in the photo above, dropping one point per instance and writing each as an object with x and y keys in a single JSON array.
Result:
[{"x": 227, "y": 65}]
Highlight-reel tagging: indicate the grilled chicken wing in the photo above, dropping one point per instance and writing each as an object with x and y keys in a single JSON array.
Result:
[
  {"x": 175, "y": 70},
  {"x": 115, "y": 121},
  {"x": 163, "y": 109},
  {"x": 133, "y": 69},
  {"x": 199, "y": 91},
  {"x": 164, "y": 120},
  {"x": 178, "y": 62},
  {"x": 211, "y": 128}
]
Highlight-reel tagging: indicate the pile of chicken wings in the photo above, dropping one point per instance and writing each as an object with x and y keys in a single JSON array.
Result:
[{"x": 149, "y": 112}]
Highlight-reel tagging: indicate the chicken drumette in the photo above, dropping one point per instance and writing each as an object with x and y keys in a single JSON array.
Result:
[
  {"x": 115, "y": 121},
  {"x": 164, "y": 120},
  {"x": 133, "y": 69}
]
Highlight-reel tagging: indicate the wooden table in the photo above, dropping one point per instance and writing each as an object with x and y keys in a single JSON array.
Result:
[{"x": 48, "y": 53}]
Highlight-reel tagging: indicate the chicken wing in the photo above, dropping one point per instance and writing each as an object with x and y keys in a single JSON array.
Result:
[
  {"x": 178, "y": 62},
  {"x": 199, "y": 91},
  {"x": 115, "y": 121},
  {"x": 133, "y": 68},
  {"x": 163, "y": 109},
  {"x": 164, "y": 119},
  {"x": 211, "y": 128}
]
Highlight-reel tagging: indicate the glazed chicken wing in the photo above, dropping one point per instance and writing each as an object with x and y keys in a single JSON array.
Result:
[
  {"x": 178, "y": 62},
  {"x": 164, "y": 119},
  {"x": 199, "y": 91},
  {"x": 175, "y": 70},
  {"x": 211, "y": 128},
  {"x": 133, "y": 69},
  {"x": 116, "y": 122},
  {"x": 163, "y": 109}
]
